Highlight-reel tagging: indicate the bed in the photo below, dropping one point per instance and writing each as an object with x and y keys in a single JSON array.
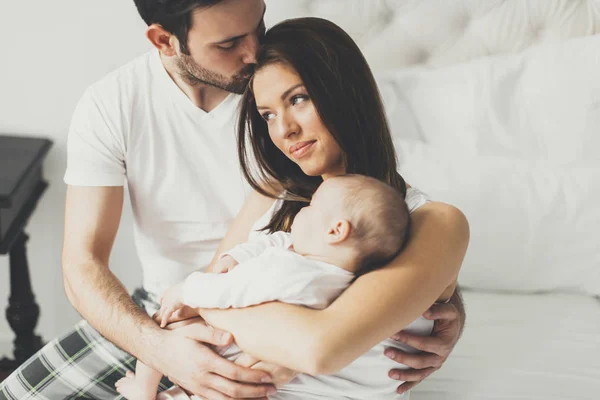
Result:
[{"x": 495, "y": 108}]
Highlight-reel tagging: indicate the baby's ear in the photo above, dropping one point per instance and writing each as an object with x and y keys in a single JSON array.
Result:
[{"x": 339, "y": 232}]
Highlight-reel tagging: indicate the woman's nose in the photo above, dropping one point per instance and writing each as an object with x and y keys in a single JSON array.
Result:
[{"x": 287, "y": 126}]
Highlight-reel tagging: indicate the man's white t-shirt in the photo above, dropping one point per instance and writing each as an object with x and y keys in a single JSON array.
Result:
[{"x": 179, "y": 162}]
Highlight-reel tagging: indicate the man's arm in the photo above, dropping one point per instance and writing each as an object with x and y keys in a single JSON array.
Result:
[{"x": 92, "y": 218}]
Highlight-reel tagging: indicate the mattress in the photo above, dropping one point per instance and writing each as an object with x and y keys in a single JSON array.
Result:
[{"x": 542, "y": 346}]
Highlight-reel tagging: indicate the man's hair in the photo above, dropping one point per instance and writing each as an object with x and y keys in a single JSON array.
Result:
[
  {"x": 379, "y": 218},
  {"x": 175, "y": 16}
]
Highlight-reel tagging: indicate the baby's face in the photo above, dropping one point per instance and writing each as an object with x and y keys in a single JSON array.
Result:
[{"x": 313, "y": 221}]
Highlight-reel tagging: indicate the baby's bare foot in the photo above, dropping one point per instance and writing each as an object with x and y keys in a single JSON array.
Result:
[{"x": 134, "y": 390}]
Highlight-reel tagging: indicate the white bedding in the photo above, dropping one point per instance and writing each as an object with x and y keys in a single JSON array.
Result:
[
  {"x": 513, "y": 142},
  {"x": 526, "y": 347}
]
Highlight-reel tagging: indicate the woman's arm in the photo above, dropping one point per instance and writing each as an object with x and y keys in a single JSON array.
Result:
[{"x": 373, "y": 308}]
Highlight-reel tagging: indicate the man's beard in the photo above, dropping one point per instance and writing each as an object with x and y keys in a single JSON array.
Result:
[{"x": 194, "y": 75}]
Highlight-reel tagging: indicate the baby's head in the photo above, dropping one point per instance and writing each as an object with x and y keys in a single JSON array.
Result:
[{"x": 354, "y": 221}]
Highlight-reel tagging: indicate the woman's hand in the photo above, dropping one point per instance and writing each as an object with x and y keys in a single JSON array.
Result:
[{"x": 435, "y": 348}]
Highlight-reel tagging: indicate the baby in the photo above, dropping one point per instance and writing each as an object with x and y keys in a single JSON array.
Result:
[{"x": 353, "y": 225}]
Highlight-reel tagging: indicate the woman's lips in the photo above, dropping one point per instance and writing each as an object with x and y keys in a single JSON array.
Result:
[{"x": 301, "y": 149}]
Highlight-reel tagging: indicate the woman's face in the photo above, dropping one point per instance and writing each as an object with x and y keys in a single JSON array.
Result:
[{"x": 294, "y": 124}]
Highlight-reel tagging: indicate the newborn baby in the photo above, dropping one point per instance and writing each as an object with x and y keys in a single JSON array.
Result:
[{"x": 353, "y": 225}]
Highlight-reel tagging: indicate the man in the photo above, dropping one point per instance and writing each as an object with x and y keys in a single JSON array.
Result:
[{"x": 165, "y": 124}]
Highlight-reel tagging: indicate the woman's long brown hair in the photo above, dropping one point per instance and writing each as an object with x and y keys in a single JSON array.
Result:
[{"x": 341, "y": 86}]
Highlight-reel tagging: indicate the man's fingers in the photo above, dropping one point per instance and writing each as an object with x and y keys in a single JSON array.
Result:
[
  {"x": 246, "y": 360},
  {"x": 442, "y": 311},
  {"x": 430, "y": 344},
  {"x": 417, "y": 361},
  {"x": 207, "y": 393},
  {"x": 406, "y": 386},
  {"x": 411, "y": 375},
  {"x": 239, "y": 390},
  {"x": 206, "y": 334},
  {"x": 230, "y": 370},
  {"x": 165, "y": 319},
  {"x": 156, "y": 316}
]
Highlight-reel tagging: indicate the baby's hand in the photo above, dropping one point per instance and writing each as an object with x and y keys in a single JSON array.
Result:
[
  {"x": 170, "y": 302},
  {"x": 225, "y": 264}
]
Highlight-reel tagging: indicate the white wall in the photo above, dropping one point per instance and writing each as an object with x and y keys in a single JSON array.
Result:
[{"x": 51, "y": 52}]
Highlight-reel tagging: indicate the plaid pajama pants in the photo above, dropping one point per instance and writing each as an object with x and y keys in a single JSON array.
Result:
[{"x": 79, "y": 365}]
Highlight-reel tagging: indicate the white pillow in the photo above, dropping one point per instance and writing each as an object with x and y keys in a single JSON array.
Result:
[
  {"x": 535, "y": 226},
  {"x": 541, "y": 104},
  {"x": 514, "y": 142}
]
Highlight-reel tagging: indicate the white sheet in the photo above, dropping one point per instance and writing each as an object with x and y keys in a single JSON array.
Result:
[{"x": 526, "y": 347}]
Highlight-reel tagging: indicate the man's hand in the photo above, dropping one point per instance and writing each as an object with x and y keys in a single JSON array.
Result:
[
  {"x": 195, "y": 367},
  {"x": 280, "y": 375},
  {"x": 224, "y": 265},
  {"x": 435, "y": 348}
]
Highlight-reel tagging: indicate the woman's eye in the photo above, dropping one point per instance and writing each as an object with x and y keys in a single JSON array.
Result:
[
  {"x": 268, "y": 116},
  {"x": 299, "y": 98}
]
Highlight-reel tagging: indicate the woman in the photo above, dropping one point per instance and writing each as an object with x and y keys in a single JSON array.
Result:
[{"x": 312, "y": 111}]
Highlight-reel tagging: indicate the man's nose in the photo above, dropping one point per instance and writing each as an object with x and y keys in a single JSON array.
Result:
[{"x": 250, "y": 49}]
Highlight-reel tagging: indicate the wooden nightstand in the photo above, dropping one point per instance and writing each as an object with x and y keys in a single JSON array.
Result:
[{"x": 21, "y": 186}]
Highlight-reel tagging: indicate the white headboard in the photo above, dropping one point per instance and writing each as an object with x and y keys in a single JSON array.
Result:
[{"x": 399, "y": 33}]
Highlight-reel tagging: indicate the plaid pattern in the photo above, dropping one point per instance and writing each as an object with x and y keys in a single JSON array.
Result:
[{"x": 80, "y": 365}]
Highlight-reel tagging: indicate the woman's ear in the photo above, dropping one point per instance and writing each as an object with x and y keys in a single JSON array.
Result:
[
  {"x": 339, "y": 232},
  {"x": 164, "y": 41}
]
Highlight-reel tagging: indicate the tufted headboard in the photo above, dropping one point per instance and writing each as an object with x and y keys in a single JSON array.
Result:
[{"x": 402, "y": 33}]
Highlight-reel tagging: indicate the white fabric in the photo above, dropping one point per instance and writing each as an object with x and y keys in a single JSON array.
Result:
[
  {"x": 270, "y": 271},
  {"x": 179, "y": 162},
  {"x": 516, "y": 347},
  {"x": 402, "y": 33},
  {"x": 255, "y": 246},
  {"x": 534, "y": 225},
  {"x": 366, "y": 378},
  {"x": 512, "y": 141},
  {"x": 518, "y": 127},
  {"x": 284, "y": 274}
]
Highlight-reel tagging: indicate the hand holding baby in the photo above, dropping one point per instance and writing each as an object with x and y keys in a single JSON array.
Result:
[
  {"x": 170, "y": 302},
  {"x": 225, "y": 264}
]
